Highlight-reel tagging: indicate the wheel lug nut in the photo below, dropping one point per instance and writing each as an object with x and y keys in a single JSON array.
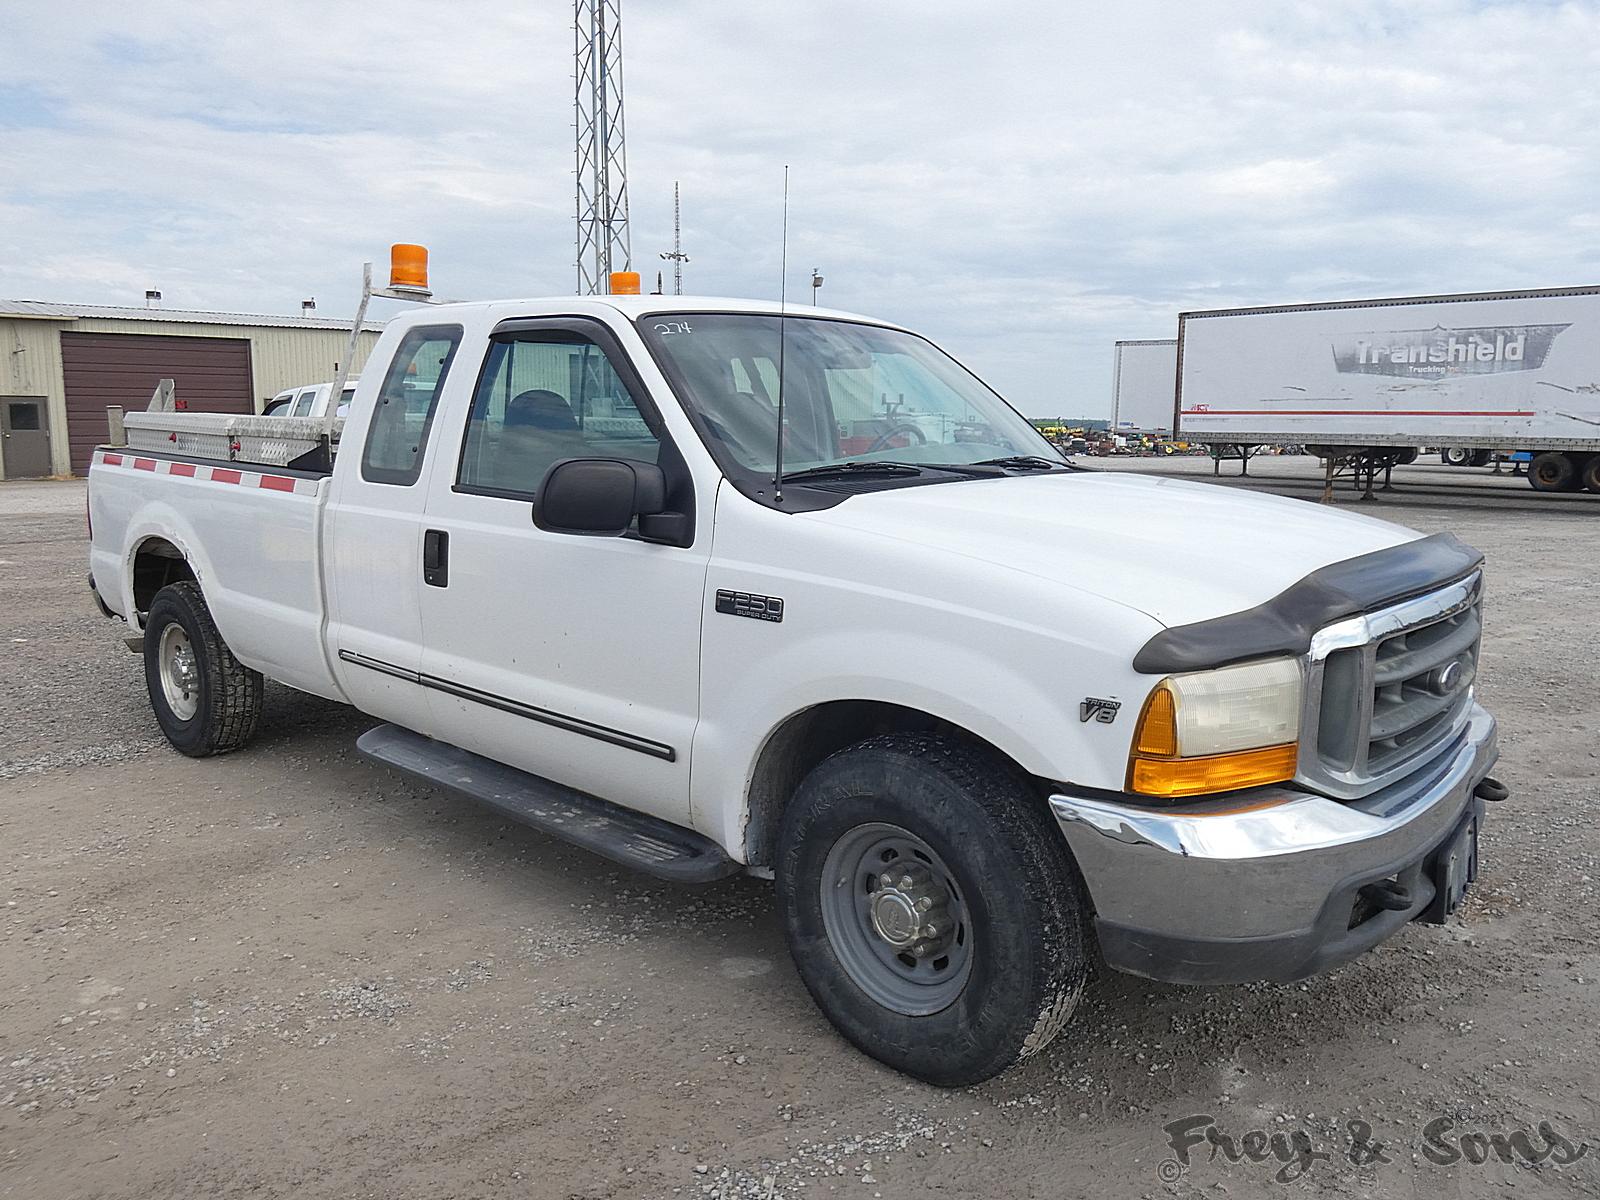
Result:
[
  {"x": 905, "y": 881},
  {"x": 924, "y": 904},
  {"x": 931, "y": 930}
]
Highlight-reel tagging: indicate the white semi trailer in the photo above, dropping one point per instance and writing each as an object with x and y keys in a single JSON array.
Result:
[
  {"x": 1499, "y": 371},
  {"x": 1144, "y": 382}
]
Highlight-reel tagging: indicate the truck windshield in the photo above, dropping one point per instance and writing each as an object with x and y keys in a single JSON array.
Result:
[{"x": 852, "y": 393}]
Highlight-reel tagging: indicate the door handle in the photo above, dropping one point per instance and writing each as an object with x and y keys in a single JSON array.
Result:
[{"x": 436, "y": 558}]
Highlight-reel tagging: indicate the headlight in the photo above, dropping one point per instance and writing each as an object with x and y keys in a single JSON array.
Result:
[{"x": 1214, "y": 731}]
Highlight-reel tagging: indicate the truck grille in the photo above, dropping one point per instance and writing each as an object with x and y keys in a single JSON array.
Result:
[{"x": 1385, "y": 690}]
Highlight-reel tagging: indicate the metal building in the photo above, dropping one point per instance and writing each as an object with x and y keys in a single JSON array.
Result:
[{"x": 64, "y": 363}]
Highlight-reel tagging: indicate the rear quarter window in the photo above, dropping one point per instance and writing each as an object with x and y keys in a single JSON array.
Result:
[{"x": 403, "y": 411}]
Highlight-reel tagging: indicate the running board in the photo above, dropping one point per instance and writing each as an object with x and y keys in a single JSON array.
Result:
[{"x": 632, "y": 839}]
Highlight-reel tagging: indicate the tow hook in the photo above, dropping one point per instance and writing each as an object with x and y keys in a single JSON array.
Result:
[
  {"x": 1491, "y": 789},
  {"x": 1389, "y": 894}
]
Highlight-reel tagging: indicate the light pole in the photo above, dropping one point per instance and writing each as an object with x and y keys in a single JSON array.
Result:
[{"x": 816, "y": 286}]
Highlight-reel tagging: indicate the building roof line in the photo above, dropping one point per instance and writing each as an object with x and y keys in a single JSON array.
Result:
[{"x": 46, "y": 310}]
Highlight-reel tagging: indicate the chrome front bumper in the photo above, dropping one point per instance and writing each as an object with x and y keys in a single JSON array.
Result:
[{"x": 1263, "y": 884}]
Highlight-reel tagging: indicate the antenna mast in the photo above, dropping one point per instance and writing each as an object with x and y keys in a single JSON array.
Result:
[
  {"x": 783, "y": 329},
  {"x": 677, "y": 257},
  {"x": 602, "y": 157}
]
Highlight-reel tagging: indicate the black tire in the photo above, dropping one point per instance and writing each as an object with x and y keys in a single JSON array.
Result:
[
  {"x": 1018, "y": 891},
  {"x": 1590, "y": 474},
  {"x": 1455, "y": 456},
  {"x": 1482, "y": 458},
  {"x": 227, "y": 704},
  {"x": 1553, "y": 471}
]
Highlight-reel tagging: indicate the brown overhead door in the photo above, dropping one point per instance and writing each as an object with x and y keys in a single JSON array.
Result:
[{"x": 211, "y": 375}]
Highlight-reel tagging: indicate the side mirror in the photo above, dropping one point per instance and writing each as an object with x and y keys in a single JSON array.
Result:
[{"x": 599, "y": 497}]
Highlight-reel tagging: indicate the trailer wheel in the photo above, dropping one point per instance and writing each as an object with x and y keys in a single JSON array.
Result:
[
  {"x": 1481, "y": 458},
  {"x": 1455, "y": 456},
  {"x": 931, "y": 907},
  {"x": 205, "y": 700},
  {"x": 1553, "y": 471},
  {"x": 1591, "y": 474}
]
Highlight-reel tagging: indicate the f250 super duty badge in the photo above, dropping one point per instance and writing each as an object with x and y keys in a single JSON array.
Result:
[
  {"x": 745, "y": 604},
  {"x": 1104, "y": 711}
]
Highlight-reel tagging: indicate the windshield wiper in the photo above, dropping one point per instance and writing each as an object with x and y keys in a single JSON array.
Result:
[
  {"x": 1024, "y": 462},
  {"x": 858, "y": 467}
]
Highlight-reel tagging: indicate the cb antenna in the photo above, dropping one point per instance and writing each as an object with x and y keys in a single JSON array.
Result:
[{"x": 783, "y": 320}]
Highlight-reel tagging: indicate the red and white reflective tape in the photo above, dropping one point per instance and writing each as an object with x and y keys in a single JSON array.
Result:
[{"x": 235, "y": 475}]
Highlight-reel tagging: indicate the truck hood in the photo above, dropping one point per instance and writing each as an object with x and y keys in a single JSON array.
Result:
[{"x": 1178, "y": 551}]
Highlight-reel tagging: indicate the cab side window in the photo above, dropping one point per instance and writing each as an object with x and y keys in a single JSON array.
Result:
[
  {"x": 404, "y": 409},
  {"x": 545, "y": 397}
]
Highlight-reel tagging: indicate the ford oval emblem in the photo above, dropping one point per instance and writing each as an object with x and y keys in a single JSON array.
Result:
[{"x": 1447, "y": 677}]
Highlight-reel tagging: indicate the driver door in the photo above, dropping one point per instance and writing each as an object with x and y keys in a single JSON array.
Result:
[{"x": 573, "y": 657}]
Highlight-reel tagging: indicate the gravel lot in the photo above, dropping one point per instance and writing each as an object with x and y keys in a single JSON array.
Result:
[{"x": 287, "y": 970}]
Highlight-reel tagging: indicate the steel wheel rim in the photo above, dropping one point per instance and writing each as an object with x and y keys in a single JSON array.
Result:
[
  {"x": 180, "y": 672},
  {"x": 877, "y": 927}
]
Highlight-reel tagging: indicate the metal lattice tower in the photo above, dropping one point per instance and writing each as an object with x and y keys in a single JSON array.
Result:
[
  {"x": 677, "y": 257},
  {"x": 602, "y": 156}
]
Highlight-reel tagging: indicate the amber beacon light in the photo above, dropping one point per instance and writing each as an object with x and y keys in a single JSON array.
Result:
[
  {"x": 408, "y": 268},
  {"x": 624, "y": 283}
]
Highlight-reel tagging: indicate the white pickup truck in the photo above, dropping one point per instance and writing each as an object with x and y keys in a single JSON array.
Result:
[
  {"x": 981, "y": 713},
  {"x": 311, "y": 400}
]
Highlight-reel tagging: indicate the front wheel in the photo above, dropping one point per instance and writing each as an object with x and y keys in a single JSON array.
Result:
[
  {"x": 205, "y": 700},
  {"x": 931, "y": 906}
]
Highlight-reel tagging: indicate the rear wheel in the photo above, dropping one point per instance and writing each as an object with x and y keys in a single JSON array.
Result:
[
  {"x": 205, "y": 700},
  {"x": 1455, "y": 456},
  {"x": 931, "y": 907},
  {"x": 1553, "y": 471},
  {"x": 1590, "y": 474}
]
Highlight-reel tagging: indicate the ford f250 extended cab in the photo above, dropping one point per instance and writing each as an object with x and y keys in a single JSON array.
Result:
[{"x": 711, "y": 586}]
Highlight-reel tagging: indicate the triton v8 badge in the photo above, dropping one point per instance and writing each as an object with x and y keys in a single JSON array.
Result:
[{"x": 1104, "y": 711}]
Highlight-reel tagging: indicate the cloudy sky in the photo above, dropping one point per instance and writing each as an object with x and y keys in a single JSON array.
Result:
[{"x": 1027, "y": 183}]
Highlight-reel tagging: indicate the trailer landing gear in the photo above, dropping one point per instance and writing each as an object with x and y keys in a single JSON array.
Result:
[
  {"x": 1222, "y": 450},
  {"x": 1361, "y": 464}
]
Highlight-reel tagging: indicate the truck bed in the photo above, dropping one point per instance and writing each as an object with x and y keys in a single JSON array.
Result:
[{"x": 250, "y": 533}]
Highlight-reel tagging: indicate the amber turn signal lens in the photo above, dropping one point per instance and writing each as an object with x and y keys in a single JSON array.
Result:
[
  {"x": 1157, "y": 731},
  {"x": 1213, "y": 773}
]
